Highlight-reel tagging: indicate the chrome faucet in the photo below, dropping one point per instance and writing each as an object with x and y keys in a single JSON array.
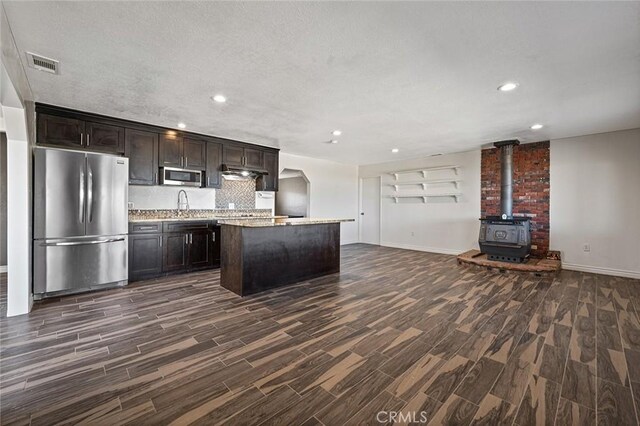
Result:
[{"x": 186, "y": 198}]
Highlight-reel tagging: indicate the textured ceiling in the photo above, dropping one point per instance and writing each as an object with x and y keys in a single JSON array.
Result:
[{"x": 420, "y": 77}]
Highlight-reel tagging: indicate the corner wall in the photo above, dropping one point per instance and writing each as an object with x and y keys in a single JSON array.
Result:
[
  {"x": 439, "y": 226},
  {"x": 595, "y": 200},
  {"x": 333, "y": 190}
]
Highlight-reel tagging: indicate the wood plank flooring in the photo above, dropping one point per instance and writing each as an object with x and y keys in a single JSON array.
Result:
[{"x": 396, "y": 330}]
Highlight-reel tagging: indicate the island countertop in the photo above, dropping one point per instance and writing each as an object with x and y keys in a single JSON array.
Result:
[{"x": 262, "y": 223}]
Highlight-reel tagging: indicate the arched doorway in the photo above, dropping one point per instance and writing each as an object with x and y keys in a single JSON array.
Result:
[{"x": 292, "y": 198}]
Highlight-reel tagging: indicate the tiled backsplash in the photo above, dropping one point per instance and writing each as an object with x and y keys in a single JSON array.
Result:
[{"x": 240, "y": 192}]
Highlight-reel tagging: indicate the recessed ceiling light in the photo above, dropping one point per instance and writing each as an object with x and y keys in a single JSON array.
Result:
[
  {"x": 395, "y": 150},
  {"x": 537, "y": 126},
  {"x": 220, "y": 99},
  {"x": 336, "y": 132},
  {"x": 334, "y": 141},
  {"x": 182, "y": 125},
  {"x": 507, "y": 87}
]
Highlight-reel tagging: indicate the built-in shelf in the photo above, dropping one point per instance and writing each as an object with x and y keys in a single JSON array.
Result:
[
  {"x": 424, "y": 171},
  {"x": 424, "y": 183},
  {"x": 455, "y": 195}
]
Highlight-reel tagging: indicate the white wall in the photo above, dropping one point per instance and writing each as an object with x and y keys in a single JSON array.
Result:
[
  {"x": 440, "y": 226},
  {"x": 166, "y": 197},
  {"x": 333, "y": 190},
  {"x": 595, "y": 200},
  {"x": 19, "y": 123}
]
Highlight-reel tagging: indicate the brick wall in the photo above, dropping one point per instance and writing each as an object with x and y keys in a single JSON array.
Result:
[{"x": 530, "y": 189}]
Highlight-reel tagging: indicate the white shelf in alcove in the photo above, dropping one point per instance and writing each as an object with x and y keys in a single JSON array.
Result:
[
  {"x": 424, "y": 171},
  {"x": 424, "y": 183},
  {"x": 424, "y": 197}
]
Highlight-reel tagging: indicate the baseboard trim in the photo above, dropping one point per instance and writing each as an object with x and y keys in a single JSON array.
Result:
[
  {"x": 3, "y": 269},
  {"x": 601, "y": 270},
  {"x": 422, "y": 248}
]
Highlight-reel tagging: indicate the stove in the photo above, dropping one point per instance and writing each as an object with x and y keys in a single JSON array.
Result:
[{"x": 506, "y": 238}]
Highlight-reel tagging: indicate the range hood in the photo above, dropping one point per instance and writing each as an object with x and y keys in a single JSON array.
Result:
[{"x": 241, "y": 173}]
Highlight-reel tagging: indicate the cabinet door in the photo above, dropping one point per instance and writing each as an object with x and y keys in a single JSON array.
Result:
[
  {"x": 142, "y": 150},
  {"x": 269, "y": 182},
  {"x": 104, "y": 138},
  {"x": 171, "y": 151},
  {"x": 62, "y": 131},
  {"x": 214, "y": 161},
  {"x": 200, "y": 254},
  {"x": 233, "y": 155},
  {"x": 253, "y": 158},
  {"x": 145, "y": 256},
  {"x": 174, "y": 252},
  {"x": 194, "y": 154}
]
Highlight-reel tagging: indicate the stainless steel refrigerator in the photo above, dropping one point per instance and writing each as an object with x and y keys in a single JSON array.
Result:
[{"x": 80, "y": 221}]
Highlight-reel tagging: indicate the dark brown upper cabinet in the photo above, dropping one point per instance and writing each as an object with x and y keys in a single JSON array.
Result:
[
  {"x": 75, "y": 133},
  {"x": 269, "y": 182},
  {"x": 239, "y": 156},
  {"x": 150, "y": 147},
  {"x": 233, "y": 155},
  {"x": 254, "y": 158},
  {"x": 195, "y": 153},
  {"x": 142, "y": 151},
  {"x": 171, "y": 150},
  {"x": 104, "y": 137},
  {"x": 182, "y": 152},
  {"x": 214, "y": 162},
  {"x": 61, "y": 131}
]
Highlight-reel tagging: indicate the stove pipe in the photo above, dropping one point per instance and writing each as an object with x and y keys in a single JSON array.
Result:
[{"x": 506, "y": 176}]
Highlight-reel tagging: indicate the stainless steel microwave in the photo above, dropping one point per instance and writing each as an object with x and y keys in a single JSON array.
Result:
[{"x": 180, "y": 177}]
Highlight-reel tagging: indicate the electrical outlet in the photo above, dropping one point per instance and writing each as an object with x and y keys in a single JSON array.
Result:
[
  {"x": 232, "y": 206},
  {"x": 586, "y": 248}
]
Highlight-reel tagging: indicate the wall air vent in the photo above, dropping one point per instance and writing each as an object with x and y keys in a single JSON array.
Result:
[{"x": 43, "y": 64}]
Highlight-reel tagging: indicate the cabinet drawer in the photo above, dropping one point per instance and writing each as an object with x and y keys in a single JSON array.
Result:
[
  {"x": 186, "y": 226},
  {"x": 145, "y": 228}
]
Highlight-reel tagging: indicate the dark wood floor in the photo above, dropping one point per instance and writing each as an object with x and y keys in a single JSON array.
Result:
[{"x": 396, "y": 330}]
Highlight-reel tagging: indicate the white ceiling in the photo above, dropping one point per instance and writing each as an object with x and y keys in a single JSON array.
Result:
[{"x": 421, "y": 77}]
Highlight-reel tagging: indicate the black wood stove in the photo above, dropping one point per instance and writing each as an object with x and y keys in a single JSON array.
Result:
[{"x": 506, "y": 238}]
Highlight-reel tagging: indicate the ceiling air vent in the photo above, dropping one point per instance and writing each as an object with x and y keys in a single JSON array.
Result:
[{"x": 43, "y": 64}]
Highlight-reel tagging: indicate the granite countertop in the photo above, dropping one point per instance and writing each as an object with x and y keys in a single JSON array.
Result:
[
  {"x": 201, "y": 218},
  {"x": 279, "y": 222},
  {"x": 141, "y": 216}
]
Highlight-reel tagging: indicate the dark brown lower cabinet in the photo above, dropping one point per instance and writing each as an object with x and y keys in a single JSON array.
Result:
[
  {"x": 200, "y": 249},
  {"x": 173, "y": 247},
  {"x": 175, "y": 252},
  {"x": 145, "y": 256}
]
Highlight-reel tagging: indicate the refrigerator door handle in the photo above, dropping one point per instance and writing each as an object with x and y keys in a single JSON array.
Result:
[
  {"x": 90, "y": 192},
  {"x": 81, "y": 194},
  {"x": 81, "y": 243}
]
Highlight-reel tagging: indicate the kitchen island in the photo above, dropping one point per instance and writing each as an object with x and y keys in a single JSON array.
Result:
[{"x": 264, "y": 254}]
